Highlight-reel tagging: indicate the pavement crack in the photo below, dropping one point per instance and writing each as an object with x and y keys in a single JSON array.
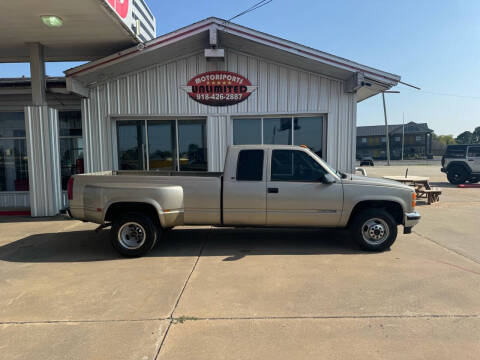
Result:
[
  {"x": 446, "y": 247},
  {"x": 171, "y": 318},
  {"x": 78, "y": 321},
  {"x": 348, "y": 317}
]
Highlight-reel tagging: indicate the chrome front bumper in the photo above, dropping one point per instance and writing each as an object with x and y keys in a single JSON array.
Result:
[{"x": 411, "y": 219}]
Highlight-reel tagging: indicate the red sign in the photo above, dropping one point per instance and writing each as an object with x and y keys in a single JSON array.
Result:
[
  {"x": 120, "y": 6},
  {"x": 219, "y": 88}
]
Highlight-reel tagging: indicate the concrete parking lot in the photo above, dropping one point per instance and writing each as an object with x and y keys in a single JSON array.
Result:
[{"x": 212, "y": 293}]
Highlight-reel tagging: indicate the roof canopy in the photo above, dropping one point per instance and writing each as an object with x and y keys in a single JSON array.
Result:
[
  {"x": 366, "y": 81},
  {"x": 91, "y": 29}
]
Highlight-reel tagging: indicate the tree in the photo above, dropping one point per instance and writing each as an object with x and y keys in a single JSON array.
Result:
[
  {"x": 464, "y": 138},
  {"x": 476, "y": 135}
]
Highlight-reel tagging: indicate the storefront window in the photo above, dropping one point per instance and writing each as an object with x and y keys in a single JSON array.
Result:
[
  {"x": 161, "y": 145},
  {"x": 71, "y": 145},
  {"x": 247, "y": 131},
  {"x": 13, "y": 152},
  {"x": 192, "y": 145},
  {"x": 306, "y": 131},
  {"x": 309, "y": 131},
  {"x": 172, "y": 145},
  {"x": 277, "y": 131}
]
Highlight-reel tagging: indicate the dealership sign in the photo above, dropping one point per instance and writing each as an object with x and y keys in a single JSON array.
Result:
[
  {"x": 219, "y": 88},
  {"x": 122, "y": 8}
]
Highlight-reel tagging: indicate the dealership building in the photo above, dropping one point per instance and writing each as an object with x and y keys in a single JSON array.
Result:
[{"x": 174, "y": 102}]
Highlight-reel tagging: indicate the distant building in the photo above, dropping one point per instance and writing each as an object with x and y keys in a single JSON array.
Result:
[{"x": 371, "y": 141}]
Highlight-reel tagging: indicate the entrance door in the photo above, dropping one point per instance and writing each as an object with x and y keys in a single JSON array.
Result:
[
  {"x": 295, "y": 194},
  {"x": 131, "y": 145}
]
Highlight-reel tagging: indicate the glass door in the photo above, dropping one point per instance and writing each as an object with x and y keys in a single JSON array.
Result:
[{"x": 131, "y": 145}]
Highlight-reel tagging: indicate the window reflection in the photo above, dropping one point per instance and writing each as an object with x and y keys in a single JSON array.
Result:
[
  {"x": 13, "y": 152},
  {"x": 131, "y": 140},
  {"x": 277, "y": 131},
  {"x": 309, "y": 131},
  {"x": 71, "y": 145},
  {"x": 192, "y": 145},
  {"x": 306, "y": 131},
  {"x": 161, "y": 145},
  {"x": 247, "y": 131}
]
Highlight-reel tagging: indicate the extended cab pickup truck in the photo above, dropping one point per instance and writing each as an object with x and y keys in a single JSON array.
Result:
[{"x": 262, "y": 186}]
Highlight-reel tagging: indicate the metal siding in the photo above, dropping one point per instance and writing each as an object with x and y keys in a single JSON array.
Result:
[
  {"x": 41, "y": 124},
  {"x": 217, "y": 135},
  {"x": 281, "y": 89},
  {"x": 303, "y": 87},
  {"x": 292, "y": 90}
]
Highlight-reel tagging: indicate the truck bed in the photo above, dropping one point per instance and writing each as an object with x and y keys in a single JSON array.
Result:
[{"x": 201, "y": 190}]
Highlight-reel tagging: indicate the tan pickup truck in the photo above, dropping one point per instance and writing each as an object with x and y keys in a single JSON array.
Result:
[{"x": 262, "y": 186}]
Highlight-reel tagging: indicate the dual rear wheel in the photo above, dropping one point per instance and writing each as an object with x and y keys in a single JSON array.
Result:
[{"x": 134, "y": 234}]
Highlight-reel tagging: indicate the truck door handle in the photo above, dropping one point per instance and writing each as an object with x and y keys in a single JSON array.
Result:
[
  {"x": 272, "y": 190},
  {"x": 471, "y": 159}
]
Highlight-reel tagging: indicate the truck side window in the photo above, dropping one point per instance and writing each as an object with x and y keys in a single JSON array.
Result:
[
  {"x": 250, "y": 165},
  {"x": 474, "y": 151},
  {"x": 294, "y": 165}
]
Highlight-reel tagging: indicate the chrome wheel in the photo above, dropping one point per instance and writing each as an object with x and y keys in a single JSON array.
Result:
[
  {"x": 132, "y": 235},
  {"x": 375, "y": 231}
]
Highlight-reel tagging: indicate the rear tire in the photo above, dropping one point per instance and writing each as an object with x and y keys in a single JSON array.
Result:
[
  {"x": 374, "y": 229},
  {"x": 457, "y": 175},
  {"x": 134, "y": 234}
]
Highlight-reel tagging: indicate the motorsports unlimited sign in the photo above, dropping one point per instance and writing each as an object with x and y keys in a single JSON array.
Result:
[{"x": 219, "y": 88}]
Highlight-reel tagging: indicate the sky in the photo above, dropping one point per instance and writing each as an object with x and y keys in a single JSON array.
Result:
[{"x": 433, "y": 44}]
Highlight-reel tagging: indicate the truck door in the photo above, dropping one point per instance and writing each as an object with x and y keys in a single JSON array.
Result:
[
  {"x": 473, "y": 157},
  {"x": 295, "y": 194},
  {"x": 244, "y": 187}
]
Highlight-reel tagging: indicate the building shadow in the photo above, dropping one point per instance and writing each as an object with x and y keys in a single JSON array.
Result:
[{"x": 231, "y": 244}]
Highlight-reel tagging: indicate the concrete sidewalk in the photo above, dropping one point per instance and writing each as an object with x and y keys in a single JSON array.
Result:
[{"x": 209, "y": 293}]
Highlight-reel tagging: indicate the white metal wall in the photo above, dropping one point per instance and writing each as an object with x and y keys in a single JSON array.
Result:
[
  {"x": 156, "y": 91},
  {"x": 41, "y": 124}
]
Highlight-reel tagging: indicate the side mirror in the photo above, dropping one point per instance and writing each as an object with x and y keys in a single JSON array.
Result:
[{"x": 327, "y": 179}]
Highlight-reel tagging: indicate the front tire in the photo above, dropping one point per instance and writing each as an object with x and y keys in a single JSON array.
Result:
[
  {"x": 134, "y": 234},
  {"x": 374, "y": 229},
  {"x": 457, "y": 175}
]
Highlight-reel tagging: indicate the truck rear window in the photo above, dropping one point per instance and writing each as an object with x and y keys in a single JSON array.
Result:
[{"x": 250, "y": 165}]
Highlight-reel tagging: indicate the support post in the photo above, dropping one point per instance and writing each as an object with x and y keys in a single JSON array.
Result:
[
  {"x": 37, "y": 74},
  {"x": 387, "y": 138},
  {"x": 43, "y": 160}
]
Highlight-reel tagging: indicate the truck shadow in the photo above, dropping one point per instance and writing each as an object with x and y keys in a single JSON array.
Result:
[{"x": 232, "y": 244}]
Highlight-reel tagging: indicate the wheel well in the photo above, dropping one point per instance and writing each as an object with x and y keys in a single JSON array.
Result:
[
  {"x": 459, "y": 164},
  {"x": 392, "y": 207},
  {"x": 124, "y": 207}
]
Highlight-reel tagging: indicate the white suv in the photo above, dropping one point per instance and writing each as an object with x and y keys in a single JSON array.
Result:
[{"x": 461, "y": 163}]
